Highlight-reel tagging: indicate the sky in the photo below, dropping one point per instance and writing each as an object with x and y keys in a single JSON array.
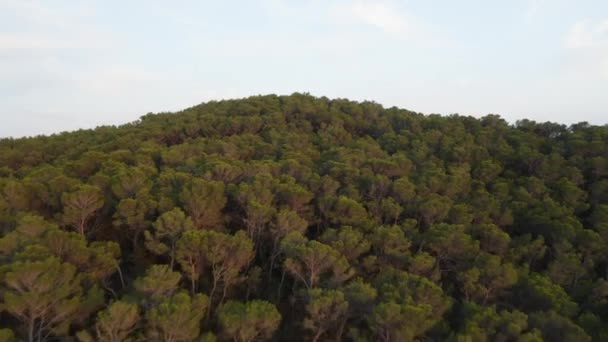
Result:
[{"x": 66, "y": 65}]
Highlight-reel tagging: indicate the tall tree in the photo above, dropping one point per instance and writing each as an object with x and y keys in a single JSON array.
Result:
[
  {"x": 45, "y": 295},
  {"x": 308, "y": 260},
  {"x": 177, "y": 318},
  {"x": 158, "y": 283},
  {"x": 249, "y": 321},
  {"x": 168, "y": 228},
  {"x": 135, "y": 215},
  {"x": 204, "y": 201},
  {"x": 325, "y": 309},
  {"x": 225, "y": 255},
  {"x": 80, "y": 206},
  {"x": 117, "y": 322}
]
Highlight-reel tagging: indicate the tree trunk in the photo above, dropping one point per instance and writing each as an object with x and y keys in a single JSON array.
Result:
[
  {"x": 341, "y": 330},
  {"x": 281, "y": 285},
  {"x": 192, "y": 278},
  {"x": 81, "y": 225},
  {"x": 224, "y": 294},
  {"x": 136, "y": 239},
  {"x": 172, "y": 255},
  {"x": 31, "y": 324},
  {"x": 317, "y": 335},
  {"x": 211, "y": 297},
  {"x": 122, "y": 279}
]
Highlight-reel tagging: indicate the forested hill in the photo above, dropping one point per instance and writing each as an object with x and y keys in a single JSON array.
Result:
[{"x": 296, "y": 218}]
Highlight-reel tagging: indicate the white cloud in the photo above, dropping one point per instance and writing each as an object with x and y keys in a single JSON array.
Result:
[
  {"x": 21, "y": 42},
  {"x": 44, "y": 42},
  {"x": 45, "y": 15},
  {"x": 587, "y": 44},
  {"x": 585, "y": 35},
  {"x": 533, "y": 7},
  {"x": 39, "y": 28},
  {"x": 381, "y": 16},
  {"x": 604, "y": 68}
]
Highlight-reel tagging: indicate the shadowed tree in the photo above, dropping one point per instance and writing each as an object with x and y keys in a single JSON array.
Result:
[
  {"x": 7, "y": 335},
  {"x": 537, "y": 292},
  {"x": 134, "y": 215},
  {"x": 257, "y": 201},
  {"x": 451, "y": 246},
  {"x": 489, "y": 324},
  {"x": 557, "y": 328},
  {"x": 349, "y": 242},
  {"x": 360, "y": 297},
  {"x": 409, "y": 306},
  {"x": 387, "y": 321},
  {"x": 204, "y": 201},
  {"x": 158, "y": 283},
  {"x": 391, "y": 245},
  {"x": 130, "y": 182},
  {"x": 346, "y": 211},
  {"x": 168, "y": 228},
  {"x": 325, "y": 309},
  {"x": 487, "y": 278},
  {"x": 190, "y": 257},
  {"x": 434, "y": 209},
  {"x": 287, "y": 221},
  {"x": 16, "y": 196}
]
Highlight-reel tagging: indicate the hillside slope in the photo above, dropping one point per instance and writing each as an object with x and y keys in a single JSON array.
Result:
[{"x": 301, "y": 218}]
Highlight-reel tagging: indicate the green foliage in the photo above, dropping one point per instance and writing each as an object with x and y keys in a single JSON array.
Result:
[
  {"x": 406, "y": 298},
  {"x": 249, "y": 321},
  {"x": 168, "y": 228},
  {"x": 7, "y": 335},
  {"x": 557, "y": 328},
  {"x": 158, "y": 283},
  {"x": 356, "y": 222},
  {"x": 487, "y": 278},
  {"x": 116, "y": 322},
  {"x": 225, "y": 255},
  {"x": 325, "y": 309},
  {"x": 309, "y": 260},
  {"x": 489, "y": 324},
  {"x": 177, "y": 318},
  {"x": 79, "y": 206},
  {"x": 46, "y": 296},
  {"x": 541, "y": 294},
  {"x": 204, "y": 200}
]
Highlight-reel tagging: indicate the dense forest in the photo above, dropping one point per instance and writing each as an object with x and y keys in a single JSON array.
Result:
[{"x": 299, "y": 218}]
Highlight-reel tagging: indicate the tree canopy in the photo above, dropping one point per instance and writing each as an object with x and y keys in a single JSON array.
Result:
[{"x": 301, "y": 218}]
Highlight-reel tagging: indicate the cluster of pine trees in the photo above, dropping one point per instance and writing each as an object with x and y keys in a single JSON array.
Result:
[{"x": 298, "y": 218}]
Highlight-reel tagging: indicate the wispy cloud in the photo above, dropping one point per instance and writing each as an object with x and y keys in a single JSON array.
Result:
[
  {"x": 29, "y": 42},
  {"x": 588, "y": 43},
  {"x": 384, "y": 16},
  {"x": 381, "y": 16},
  {"x": 41, "y": 42},
  {"x": 584, "y": 34},
  {"x": 47, "y": 28},
  {"x": 533, "y": 8}
]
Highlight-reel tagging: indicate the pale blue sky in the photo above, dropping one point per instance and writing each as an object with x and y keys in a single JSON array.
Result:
[{"x": 78, "y": 64}]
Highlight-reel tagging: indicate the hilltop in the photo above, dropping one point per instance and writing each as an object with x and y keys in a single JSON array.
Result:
[{"x": 304, "y": 218}]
